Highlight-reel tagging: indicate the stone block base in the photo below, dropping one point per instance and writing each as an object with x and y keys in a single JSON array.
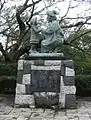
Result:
[{"x": 47, "y": 81}]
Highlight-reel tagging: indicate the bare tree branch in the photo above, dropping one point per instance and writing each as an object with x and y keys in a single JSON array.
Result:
[
  {"x": 3, "y": 52},
  {"x": 78, "y": 48},
  {"x": 77, "y": 17},
  {"x": 2, "y": 4},
  {"x": 72, "y": 25},
  {"x": 26, "y": 2},
  {"x": 66, "y": 12},
  {"x": 81, "y": 23},
  {"x": 3, "y": 31},
  {"x": 76, "y": 33},
  {"x": 25, "y": 6},
  {"x": 31, "y": 14},
  {"x": 46, "y": 7},
  {"x": 80, "y": 36}
]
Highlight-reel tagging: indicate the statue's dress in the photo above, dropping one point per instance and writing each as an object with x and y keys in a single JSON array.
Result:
[{"x": 53, "y": 37}]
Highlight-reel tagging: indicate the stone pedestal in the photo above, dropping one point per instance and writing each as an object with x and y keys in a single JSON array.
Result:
[{"x": 45, "y": 79}]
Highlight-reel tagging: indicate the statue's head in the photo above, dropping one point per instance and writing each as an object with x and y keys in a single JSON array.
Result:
[{"x": 51, "y": 15}]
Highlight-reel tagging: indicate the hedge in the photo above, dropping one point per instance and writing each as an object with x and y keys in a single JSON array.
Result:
[
  {"x": 83, "y": 85},
  {"x": 8, "y": 80}
]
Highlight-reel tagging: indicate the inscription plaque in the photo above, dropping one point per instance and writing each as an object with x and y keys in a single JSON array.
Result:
[{"x": 45, "y": 81}]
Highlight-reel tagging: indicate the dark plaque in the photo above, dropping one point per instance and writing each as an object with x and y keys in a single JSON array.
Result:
[{"x": 45, "y": 81}]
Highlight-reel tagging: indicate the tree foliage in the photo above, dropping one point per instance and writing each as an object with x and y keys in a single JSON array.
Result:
[{"x": 15, "y": 27}]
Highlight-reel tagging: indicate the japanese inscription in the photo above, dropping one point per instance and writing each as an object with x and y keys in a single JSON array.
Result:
[{"x": 45, "y": 81}]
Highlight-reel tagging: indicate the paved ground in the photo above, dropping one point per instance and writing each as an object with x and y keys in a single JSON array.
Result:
[{"x": 7, "y": 112}]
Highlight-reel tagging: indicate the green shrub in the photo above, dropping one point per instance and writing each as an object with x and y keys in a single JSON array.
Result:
[
  {"x": 83, "y": 85},
  {"x": 8, "y": 73},
  {"x": 7, "y": 84},
  {"x": 83, "y": 67},
  {"x": 8, "y": 69}
]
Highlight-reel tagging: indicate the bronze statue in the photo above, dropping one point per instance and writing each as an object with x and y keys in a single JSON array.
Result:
[
  {"x": 53, "y": 34},
  {"x": 35, "y": 36}
]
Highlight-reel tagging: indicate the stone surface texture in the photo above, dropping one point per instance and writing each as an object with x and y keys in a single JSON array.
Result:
[
  {"x": 46, "y": 82},
  {"x": 9, "y": 112}
]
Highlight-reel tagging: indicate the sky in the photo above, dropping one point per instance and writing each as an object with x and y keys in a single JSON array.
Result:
[
  {"x": 62, "y": 6},
  {"x": 80, "y": 10}
]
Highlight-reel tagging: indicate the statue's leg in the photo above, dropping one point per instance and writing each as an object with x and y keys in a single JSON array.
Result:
[{"x": 43, "y": 47}]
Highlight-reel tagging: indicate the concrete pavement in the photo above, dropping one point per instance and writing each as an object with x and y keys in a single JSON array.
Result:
[{"x": 8, "y": 112}]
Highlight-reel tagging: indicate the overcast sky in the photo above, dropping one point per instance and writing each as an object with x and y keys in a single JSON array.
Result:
[
  {"x": 62, "y": 6},
  {"x": 81, "y": 9}
]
